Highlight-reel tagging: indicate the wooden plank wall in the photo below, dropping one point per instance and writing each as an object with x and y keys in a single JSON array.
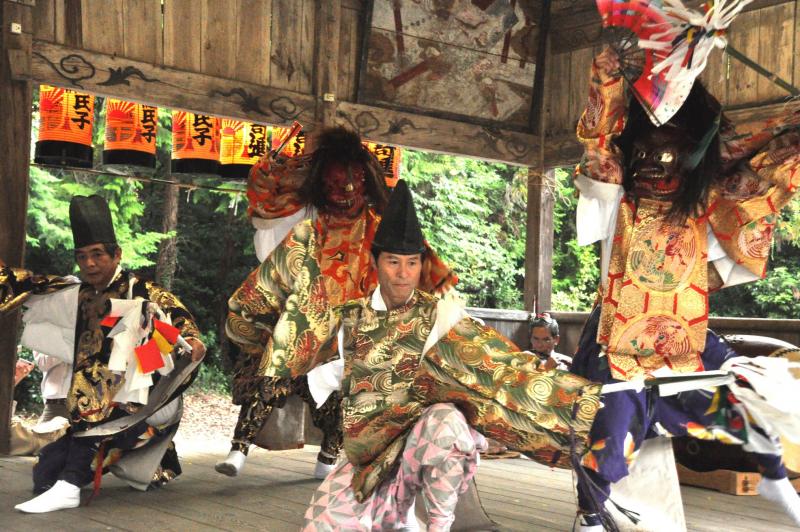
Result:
[
  {"x": 265, "y": 42},
  {"x": 770, "y": 36}
]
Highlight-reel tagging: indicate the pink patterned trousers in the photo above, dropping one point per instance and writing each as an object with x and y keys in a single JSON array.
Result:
[{"x": 439, "y": 459}]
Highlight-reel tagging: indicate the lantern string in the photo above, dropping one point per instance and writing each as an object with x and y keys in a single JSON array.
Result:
[
  {"x": 143, "y": 178},
  {"x": 234, "y": 202}
]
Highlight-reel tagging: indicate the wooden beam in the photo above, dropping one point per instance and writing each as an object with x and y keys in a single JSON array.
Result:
[
  {"x": 15, "y": 137},
  {"x": 539, "y": 223},
  {"x": 329, "y": 25},
  {"x": 116, "y": 76},
  {"x": 537, "y": 115},
  {"x": 746, "y": 114},
  {"x": 439, "y": 134}
]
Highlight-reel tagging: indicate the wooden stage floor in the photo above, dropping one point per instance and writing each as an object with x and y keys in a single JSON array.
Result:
[{"x": 275, "y": 487}]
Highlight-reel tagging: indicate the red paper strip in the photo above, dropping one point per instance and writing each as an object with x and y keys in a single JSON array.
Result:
[
  {"x": 167, "y": 331},
  {"x": 109, "y": 321},
  {"x": 149, "y": 357}
]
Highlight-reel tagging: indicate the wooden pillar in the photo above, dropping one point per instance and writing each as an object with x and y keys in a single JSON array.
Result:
[
  {"x": 16, "y": 27},
  {"x": 541, "y": 183},
  {"x": 327, "y": 60},
  {"x": 539, "y": 240}
]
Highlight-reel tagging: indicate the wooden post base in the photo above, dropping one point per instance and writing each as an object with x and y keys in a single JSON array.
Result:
[{"x": 724, "y": 480}]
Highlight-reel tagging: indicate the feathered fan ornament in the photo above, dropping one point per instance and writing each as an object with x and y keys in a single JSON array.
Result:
[{"x": 673, "y": 46}]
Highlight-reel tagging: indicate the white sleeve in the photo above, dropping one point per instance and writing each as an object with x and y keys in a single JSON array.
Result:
[
  {"x": 56, "y": 376},
  {"x": 597, "y": 209},
  {"x": 271, "y": 232},
  {"x": 327, "y": 378},
  {"x": 50, "y": 323}
]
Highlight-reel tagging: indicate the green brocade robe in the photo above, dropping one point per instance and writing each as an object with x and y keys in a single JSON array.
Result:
[{"x": 388, "y": 381}]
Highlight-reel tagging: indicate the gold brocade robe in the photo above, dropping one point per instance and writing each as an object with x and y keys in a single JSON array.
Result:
[
  {"x": 338, "y": 251},
  {"x": 655, "y": 297},
  {"x": 388, "y": 382},
  {"x": 655, "y": 307}
]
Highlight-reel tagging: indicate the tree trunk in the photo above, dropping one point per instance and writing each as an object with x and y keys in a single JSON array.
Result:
[
  {"x": 168, "y": 250},
  {"x": 222, "y": 274}
]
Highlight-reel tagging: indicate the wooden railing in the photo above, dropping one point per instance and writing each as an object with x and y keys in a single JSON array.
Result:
[{"x": 514, "y": 325}]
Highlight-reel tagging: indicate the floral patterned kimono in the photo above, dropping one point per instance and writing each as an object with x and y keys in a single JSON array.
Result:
[{"x": 652, "y": 313}]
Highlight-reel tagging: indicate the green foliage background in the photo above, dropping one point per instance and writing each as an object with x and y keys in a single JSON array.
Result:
[{"x": 473, "y": 213}]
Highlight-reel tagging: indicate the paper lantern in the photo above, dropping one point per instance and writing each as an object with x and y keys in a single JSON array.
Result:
[
  {"x": 66, "y": 120},
  {"x": 389, "y": 157},
  {"x": 241, "y": 145},
  {"x": 294, "y": 148},
  {"x": 195, "y": 143},
  {"x": 130, "y": 134}
]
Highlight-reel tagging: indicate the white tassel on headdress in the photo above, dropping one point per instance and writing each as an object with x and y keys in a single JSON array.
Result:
[
  {"x": 772, "y": 399},
  {"x": 691, "y": 32},
  {"x": 682, "y": 44}
]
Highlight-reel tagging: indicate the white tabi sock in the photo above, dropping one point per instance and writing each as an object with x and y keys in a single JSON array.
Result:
[
  {"x": 232, "y": 465},
  {"x": 584, "y": 521},
  {"x": 781, "y": 492},
  {"x": 321, "y": 470},
  {"x": 62, "y": 495}
]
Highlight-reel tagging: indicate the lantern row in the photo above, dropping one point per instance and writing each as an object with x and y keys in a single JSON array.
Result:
[{"x": 201, "y": 144}]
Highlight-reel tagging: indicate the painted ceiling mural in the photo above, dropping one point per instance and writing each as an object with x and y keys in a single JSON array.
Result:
[{"x": 465, "y": 58}]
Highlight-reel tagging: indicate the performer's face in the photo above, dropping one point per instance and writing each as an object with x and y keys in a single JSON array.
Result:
[
  {"x": 344, "y": 188},
  {"x": 542, "y": 342},
  {"x": 656, "y": 162},
  {"x": 398, "y": 276},
  {"x": 96, "y": 265}
]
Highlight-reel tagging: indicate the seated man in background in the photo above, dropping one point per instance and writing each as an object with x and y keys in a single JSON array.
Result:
[{"x": 544, "y": 339}]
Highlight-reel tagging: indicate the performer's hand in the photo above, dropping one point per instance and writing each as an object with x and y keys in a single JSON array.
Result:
[
  {"x": 198, "y": 349},
  {"x": 608, "y": 65},
  {"x": 549, "y": 364},
  {"x": 21, "y": 370}
]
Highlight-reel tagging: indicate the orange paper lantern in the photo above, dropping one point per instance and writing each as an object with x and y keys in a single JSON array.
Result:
[
  {"x": 241, "y": 145},
  {"x": 294, "y": 148},
  {"x": 66, "y": 120},
  {"x": 130, "y": 134},
  {"x": 389, "y": 157},
  {"x": 195, "y": 143}
]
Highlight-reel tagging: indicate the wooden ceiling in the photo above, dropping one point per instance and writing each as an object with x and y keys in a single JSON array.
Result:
[{"x": 575, "y": 24}]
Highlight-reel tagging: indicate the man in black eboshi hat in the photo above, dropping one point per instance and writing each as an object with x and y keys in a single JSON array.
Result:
[
  {"x": 70, "y": 322},
  {"x": 420, "y": 379}
]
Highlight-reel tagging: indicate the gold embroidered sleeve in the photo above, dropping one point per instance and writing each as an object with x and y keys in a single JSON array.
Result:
[
  {"x": 307, "y": 320},
  {"x": 17, "y": 285},
  {"x": 505, "y": 396},
  {"x": 254, "y": 308},
  {"x": 172, "y": 306},
  {"x": 601, "y": 122},
  {"x": 744, "y": 209}
]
